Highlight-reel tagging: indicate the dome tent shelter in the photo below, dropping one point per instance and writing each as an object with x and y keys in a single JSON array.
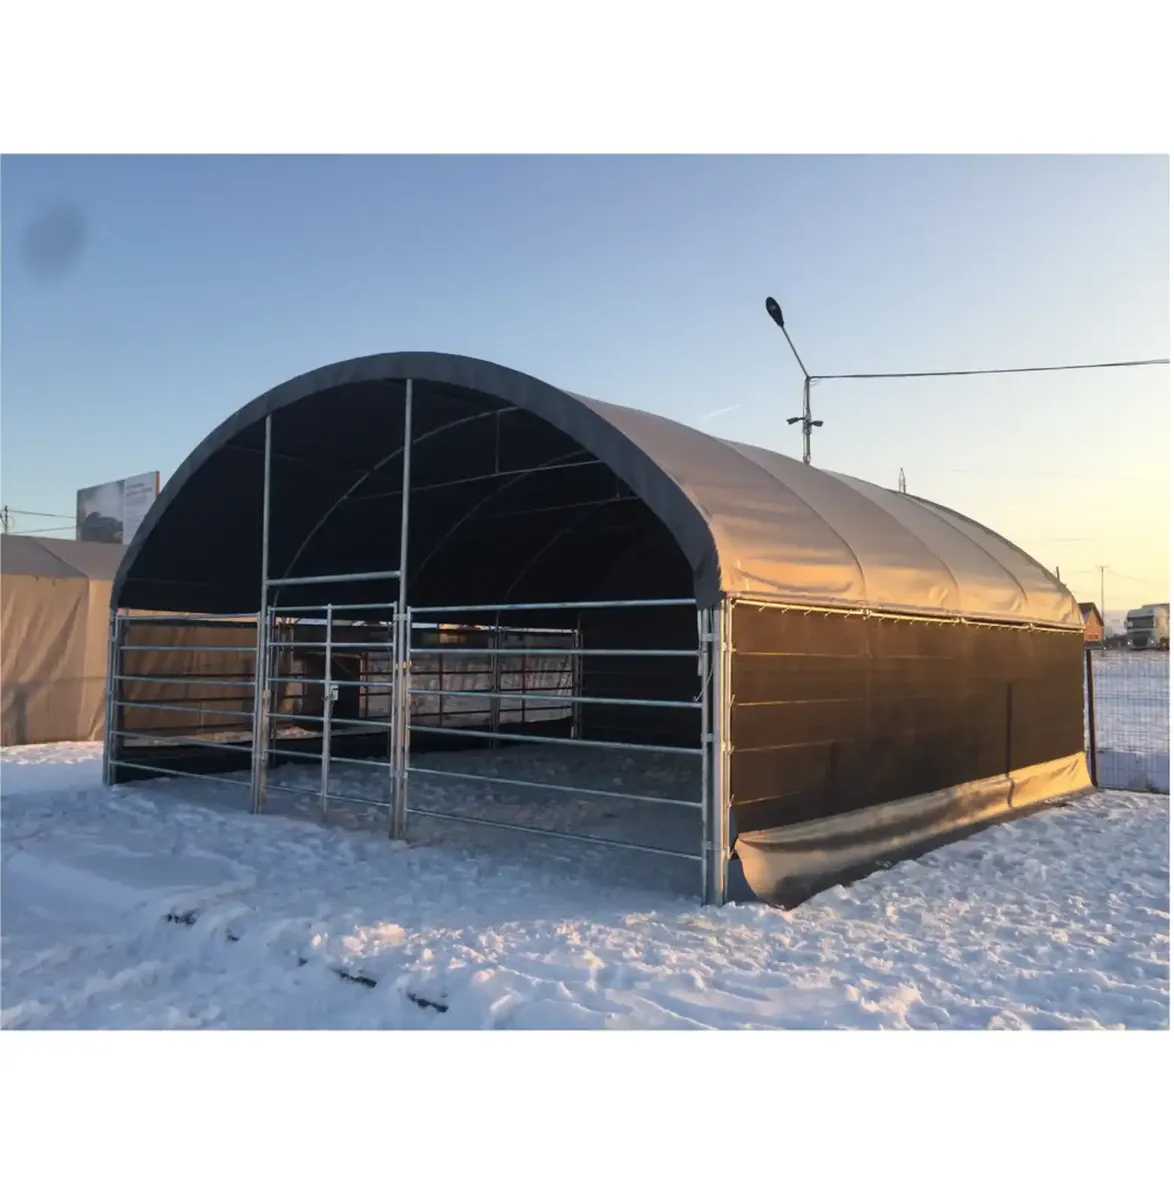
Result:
[{"x": 848, "y": 673}]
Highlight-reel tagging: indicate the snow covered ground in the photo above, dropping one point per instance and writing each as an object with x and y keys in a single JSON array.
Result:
[{"x": 166, "y": 905}]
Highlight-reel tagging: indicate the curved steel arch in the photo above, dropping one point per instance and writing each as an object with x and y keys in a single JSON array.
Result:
[
  {"x": 358, "y": 483},
  {"x": 570, "y": 414}
]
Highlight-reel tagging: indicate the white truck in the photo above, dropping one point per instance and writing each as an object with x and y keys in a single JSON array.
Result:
[{"x": 1148, "y": 627}]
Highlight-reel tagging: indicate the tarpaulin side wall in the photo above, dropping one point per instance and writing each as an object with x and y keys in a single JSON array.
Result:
[
  {"x": 55, "y": 598},
  {"x": 54, "y": 613},
  {"x": 835, "y": 716},
  {"x": 53, "y": 691}
]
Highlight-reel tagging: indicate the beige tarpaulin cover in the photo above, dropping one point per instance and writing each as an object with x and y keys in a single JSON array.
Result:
[
  {"x": 54, "y": 631},
  {"x": 790, "y": 532},
  {"x": 54, "y": 621}
]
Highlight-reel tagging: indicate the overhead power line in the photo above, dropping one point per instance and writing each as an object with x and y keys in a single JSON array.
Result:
[
  {"x": 51, "y": 529},
  {"x": 808, "y": 422},
  {"x": 1134, "y": 578},
  {"x": 24, "y": 512},
  {"x": 1101, "y": 366}
]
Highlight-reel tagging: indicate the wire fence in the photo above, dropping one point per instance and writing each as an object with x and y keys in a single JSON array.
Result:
[{"x": 1127, "y": 719}]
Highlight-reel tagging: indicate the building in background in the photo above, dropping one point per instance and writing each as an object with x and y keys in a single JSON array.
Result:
[{"x": 1094, "y": 624}]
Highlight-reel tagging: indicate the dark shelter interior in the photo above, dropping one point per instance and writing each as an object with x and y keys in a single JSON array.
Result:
[{"x": 504, "y": 508}]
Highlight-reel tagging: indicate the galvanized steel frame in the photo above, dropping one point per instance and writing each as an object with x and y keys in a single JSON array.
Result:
[
  {"x": 713, "y": 655},
  {"x": 117, "y": 648},
  {"x": 712, "y": 803}
]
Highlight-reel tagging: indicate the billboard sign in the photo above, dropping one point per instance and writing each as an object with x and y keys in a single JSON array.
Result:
[{"x": 113, "y": 512}]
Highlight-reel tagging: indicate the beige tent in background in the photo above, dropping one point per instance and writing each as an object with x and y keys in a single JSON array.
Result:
[
  {"x": 54, "y": 622},
  {"x": 54, "y": 629}
]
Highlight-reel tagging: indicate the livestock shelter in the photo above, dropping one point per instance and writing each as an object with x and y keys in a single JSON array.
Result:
[
  {"x": 466, "y": 587},
  {"x": 54, "y": 613}
]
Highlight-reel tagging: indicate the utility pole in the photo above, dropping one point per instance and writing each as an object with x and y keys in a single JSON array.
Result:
[
  {"x": 4, "y": 517},
  {"x": 1104, "y": 619},
  {"x": 776, "y": 315}
]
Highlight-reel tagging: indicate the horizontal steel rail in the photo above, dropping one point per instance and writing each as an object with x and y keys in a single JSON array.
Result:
[
  {"x": 466, "y": 628},
  {"x": 547, "y": 741},
  {"x": 212, "y": 779},
  {"x": 236, "y": 621},
  {"x": 312, "y": 580},
  {"x": 334, "y": 758},
  {"x": 183, "y": 708},
  {"x": 131, "y": 648},
  {"x": 551, "y": 606},
  {"x": 371, "y": 606},
  {"x": 201, "y": 743},
  {"x": 556, "y": 787},
  {"x": 359, "y": 683},
  {"x": 558, "y": 701},
  {"x": 185, "y": 680},
  {"x": 318, "y": 719},
  {"x": 550, "y": 652},
  {"x": 388, "y": 645},
  {"x": 509, "y": 716},
  {"x": 567, "y": 837},
  {"x": 316, "y": 794}
]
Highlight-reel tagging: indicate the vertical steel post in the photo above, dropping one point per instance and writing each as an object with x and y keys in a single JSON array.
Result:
[
  {"x": 405, "y": 721},
  {"x": 704, "y": 691},
  {"x": 1102, "y": 571},
  {"x": 327, "y": 709},
  {"x": 495, "y": 680},
  {"x": 1092, "y": 717},
  {"x": 393, "y": 766},
  {"x": 719, "y": 818},
  {"x": 439, "y": 683},
  {"x": 728, "y": 739},
  {"x": 577, "y": 680},
  {"x": 399, "y": 802},
  {"x": 279, "y": 631},
  {"x": 260, "y": 664},
  {"x": 113, "y": 695}
]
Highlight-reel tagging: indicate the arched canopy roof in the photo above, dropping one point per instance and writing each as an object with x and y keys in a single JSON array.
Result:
[{"x": 581, "y": 492}]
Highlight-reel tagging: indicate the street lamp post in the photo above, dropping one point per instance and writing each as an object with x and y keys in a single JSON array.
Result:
[{"x": 776, "y": 315}]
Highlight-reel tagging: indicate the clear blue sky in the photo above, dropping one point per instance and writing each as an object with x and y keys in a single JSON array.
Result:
[{"x": 193, "y": 284}]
